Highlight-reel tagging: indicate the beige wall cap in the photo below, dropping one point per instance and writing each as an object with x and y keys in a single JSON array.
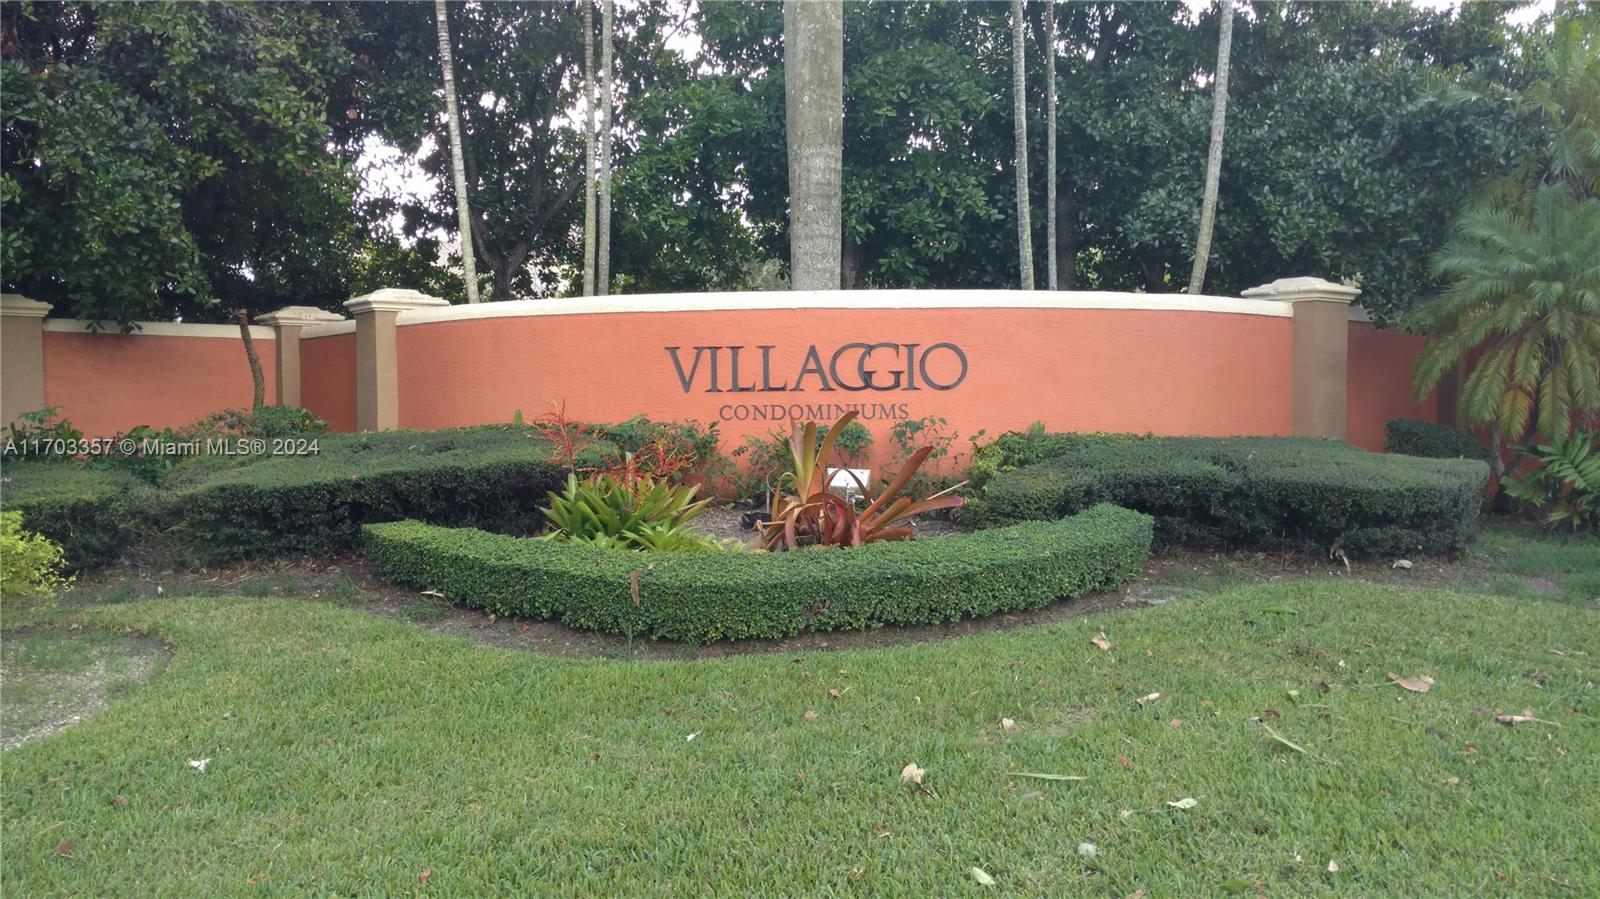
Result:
[
  {"x": 19, "y": 305},
  {"x": 299, "y": 315},
  {"x": 1291, "y": 290},
  {"x": 392, "y": 299}
]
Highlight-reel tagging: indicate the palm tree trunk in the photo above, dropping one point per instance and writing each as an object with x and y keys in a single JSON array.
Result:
[
  {"x": 258, "y": 381},
  {"x": 588, "y": 148},
  {"x": 1019, "y": 86},
  {"x": 1219, "y": 116},
  {"x": 458, "y": 168},
  {"x": 1050, "y": 146},
  {"x": 813, "y": 60},
  {"x": 607, "y": 22}
]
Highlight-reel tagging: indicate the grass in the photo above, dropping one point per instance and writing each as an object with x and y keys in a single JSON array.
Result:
[
  {"x": 358, "y": 755},
  {"x": 50, "y": 674},
  {"x": 1567, "y": 564}
]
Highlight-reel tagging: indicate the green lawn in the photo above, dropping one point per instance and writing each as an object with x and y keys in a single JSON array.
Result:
[{"x": 357, "y": 755}]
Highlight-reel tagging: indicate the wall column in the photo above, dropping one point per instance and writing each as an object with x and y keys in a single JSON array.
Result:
[
  {"x": 287, "y": 323},
  {"x": 21, "y": 355},
  {"x": 377, "y": 360},
  {"x": 1321, "y": 351}
]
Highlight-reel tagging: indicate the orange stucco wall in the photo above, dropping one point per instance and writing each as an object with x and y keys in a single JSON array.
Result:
[
  {"x": 1379, "y": 384},
  {"x": 108, "y": 383},
  {"x": 328, "y": 379},
  {"x": 1168, "y": 372}
]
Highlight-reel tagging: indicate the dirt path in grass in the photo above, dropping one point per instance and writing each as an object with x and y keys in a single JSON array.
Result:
[{"x": 52, "y": 678}]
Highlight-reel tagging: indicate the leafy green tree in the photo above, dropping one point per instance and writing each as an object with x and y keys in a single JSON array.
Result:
[{"x": 166, "y": 160}]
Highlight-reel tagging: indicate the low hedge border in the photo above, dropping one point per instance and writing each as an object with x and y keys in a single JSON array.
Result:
[
  {"x": 703, "y": 597},
  {"x": 1259, "y": 492},
  {"x": 216, "y": 510}
]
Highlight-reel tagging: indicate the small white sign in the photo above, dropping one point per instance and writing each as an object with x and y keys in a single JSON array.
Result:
[{"x": 840, "y": 481}]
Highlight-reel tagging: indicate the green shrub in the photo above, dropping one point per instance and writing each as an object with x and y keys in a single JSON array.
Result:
[
  {"x": 1565, "y": 486},
  {"x": 1411, "y": 437},
  {"x": 90, "y": 512},
  {"x": 492, "y": 477},
  {"x": 1015, "y": 449},
  {"x": 1266, "y": 492},
  {"x": 30, "y": 565},
  {"x": 220, "y": 508},
  {"x": 716, "y": 596}
]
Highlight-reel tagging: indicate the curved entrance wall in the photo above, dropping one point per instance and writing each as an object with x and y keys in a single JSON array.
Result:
[
  {"x": 1288, "y": 359},
  {"x": 979, "y": 360}
]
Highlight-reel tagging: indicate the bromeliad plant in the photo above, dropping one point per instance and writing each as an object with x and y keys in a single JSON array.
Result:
[
  {"x": 803, "y": 511},
  {"x": 631, "y": 506}
]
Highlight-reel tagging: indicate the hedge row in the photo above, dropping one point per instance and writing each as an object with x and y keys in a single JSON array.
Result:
[
  {"x": 1433, "y": 441},
  {"x": 494, "y": 478},
  {"x": 702, "y": 597},
  {"x": 1251, "y": 491}
]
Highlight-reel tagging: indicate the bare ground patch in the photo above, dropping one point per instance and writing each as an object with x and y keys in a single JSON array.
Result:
[{"x": 53, "y": 678}]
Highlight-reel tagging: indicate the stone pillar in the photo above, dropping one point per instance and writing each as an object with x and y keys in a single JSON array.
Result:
[
  {"x": 1321, "y": 351},
  {"x": 21, "y": 355},
  {"x": 377, "y": 362},
  {"x": 286, "y": 324}
]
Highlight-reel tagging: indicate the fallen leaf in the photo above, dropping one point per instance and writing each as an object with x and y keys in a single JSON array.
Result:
[
  {"x": 1137, "y": 894},
  {"x": 1471, "y": 748},
  {"x": 1510, "y": 720},
  {"x": 835, "y": 693},
  {"x": 64, "y": 848},
  {"x": 1285, "y": 741},
  {"x": 1185, "y": 802},
  {"x": 811, "y": 714},
  {"x": 1269, "y": 714},
  {"x": 1322, "y": 686},
  {"x": 1088, "y": 850},
  {"x": 1124, "y": 761},
  {"x": 690, "y": 738},
  {"x": 1038, "y": 776},
  {"x": 1333, "y": 866},
  {"x": 1175, "y": 723},
  {"x": 911, "y": 774},
  {"x": 1418, "y": 684},
  {"x": 1101, "y": 641},
  {"x": 1147, "y": 699},
  {"x": 1007, "y": 725},
  {"x": 423, "y": 877},
  {"x": 982, "y": 877},
  {"x": 1125, "y": 814},
  {"x": 199, "y": 764},
  {"x": 119, "y": 800},
  {"x": 433, "y": 593},
  {"x": 1402, "y": 564}
]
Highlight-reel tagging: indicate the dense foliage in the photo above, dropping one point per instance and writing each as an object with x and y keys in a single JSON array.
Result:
[
  {"x": 258, "y": 507},
  {"x": 1564, "y": 484},
  {"x": 1522, "y": 306},
  {"x": 1410, "y": 437},
  {"x": 168, "y": 159},
  {"x": 1260, "y": 492},
  {"x": 701, "y": 597},
  {"x": 30, "y": 564}
]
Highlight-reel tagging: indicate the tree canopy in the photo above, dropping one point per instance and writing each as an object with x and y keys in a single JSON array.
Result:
[{"x": 180, "y": 160}]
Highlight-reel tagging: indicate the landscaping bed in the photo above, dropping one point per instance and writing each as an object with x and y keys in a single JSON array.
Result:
[
  {"x": 701, "y": 597},
  {"x": 1258, "y": 492}
]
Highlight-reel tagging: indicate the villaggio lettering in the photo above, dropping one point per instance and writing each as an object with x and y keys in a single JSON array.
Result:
[{"x": 850, "y": 367}]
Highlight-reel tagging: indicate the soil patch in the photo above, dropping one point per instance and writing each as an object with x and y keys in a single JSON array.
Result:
[{"x": 53, "y": 678}]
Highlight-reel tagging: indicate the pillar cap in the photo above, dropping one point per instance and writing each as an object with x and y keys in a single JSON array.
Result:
[
  {"x": 392, "y": 299},
  {"x": 299, "y": 316},
  {"x": 1294, "y": 290},
  {"x": 22, "y": 307}
]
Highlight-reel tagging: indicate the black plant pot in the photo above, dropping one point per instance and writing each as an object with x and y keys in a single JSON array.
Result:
[{"x": 752, "y": 517}]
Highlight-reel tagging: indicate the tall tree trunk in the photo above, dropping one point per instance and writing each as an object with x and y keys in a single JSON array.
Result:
[
  {"x": 588, "y": 148},
  {"x": 1219, "y": 116},
  {"x": 1067, "y": 238},
  {"x": 257, "y": 379},
  {"x": 813, "y": 61},
  {"x": 1050, "y": 146},
  {"x": 849, "y": 264},
  {"x": 458, "y": 169},
  {"x": 1019, "y": 88},
  {"x": 607, "y": 22}
]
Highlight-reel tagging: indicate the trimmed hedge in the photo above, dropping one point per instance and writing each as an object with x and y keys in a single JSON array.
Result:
[
  {"x": 701, "y": 597},
  {"x": 1432, "y": 441},
  {"x": 1266, "y": 492},
  {"x": 82, "y": 509},
  {"x": 220, "y": 508}
]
